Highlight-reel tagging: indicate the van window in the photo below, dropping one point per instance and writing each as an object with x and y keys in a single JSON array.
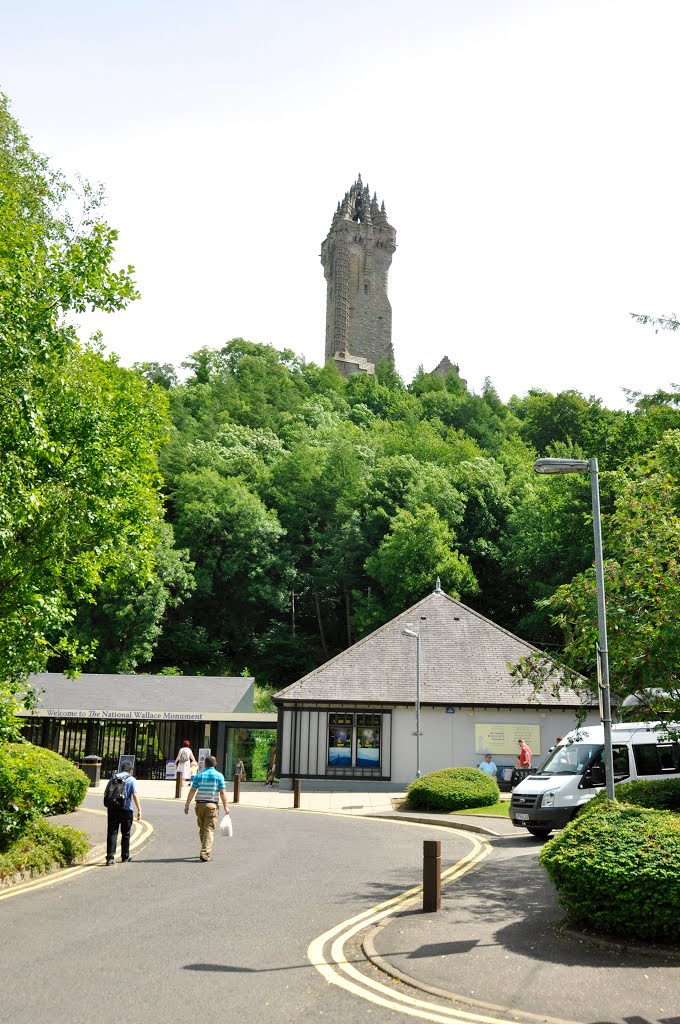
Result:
[
  {"x": 657, "y": 758},
  {"x": 571, "y": 759},
  {"x": 620, "y": 759}
]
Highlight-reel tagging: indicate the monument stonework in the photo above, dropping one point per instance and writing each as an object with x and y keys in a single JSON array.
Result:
[{"x": 356, "y": 256}]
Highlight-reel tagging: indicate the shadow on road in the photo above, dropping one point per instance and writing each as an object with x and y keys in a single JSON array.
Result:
[
  {"x": 233, "y": 969},
  {"x": 167, "y": 860},
  {"x": 514, "y": 902}
]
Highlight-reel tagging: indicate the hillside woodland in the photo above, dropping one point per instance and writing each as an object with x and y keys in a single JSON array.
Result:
[{"x": 251, "y": 512}]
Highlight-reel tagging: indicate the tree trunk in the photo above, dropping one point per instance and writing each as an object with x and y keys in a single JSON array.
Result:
[
  {"x": 320, "y": 623},
  {"x": 348, "y": 618}
]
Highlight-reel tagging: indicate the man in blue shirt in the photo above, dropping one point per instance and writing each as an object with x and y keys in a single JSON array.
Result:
[
  {"x": 489, "y": 767},
  {"x": 121, "y": 817},
  {"x": 207, "y": 786}
]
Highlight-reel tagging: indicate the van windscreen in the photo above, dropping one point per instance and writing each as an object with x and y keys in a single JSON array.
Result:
[{"x": 570, "y": 759}]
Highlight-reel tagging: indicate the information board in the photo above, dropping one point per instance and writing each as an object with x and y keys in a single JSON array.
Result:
[{"x": 499, "y": 738}]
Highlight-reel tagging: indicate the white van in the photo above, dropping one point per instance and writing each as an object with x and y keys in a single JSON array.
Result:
[{"x": 574, "y": 772}]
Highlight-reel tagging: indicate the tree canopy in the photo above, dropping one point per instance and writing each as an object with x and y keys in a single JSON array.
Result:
[{"x": 80, "y": 491}]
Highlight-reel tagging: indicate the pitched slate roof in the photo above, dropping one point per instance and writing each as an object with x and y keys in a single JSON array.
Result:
[
  {"x": 180, "y": 696},
  {"x": 463, "y": 660}
]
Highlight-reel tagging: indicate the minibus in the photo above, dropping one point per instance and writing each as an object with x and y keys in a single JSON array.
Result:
[{"x": 574, "y": 771}]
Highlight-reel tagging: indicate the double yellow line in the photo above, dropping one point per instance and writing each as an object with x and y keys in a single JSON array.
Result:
[
  {"x": 143, "y": 830},
  {"x": 337, "y": 970}
]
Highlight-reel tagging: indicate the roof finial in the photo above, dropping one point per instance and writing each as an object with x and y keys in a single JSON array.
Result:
[{"x": 438, "y": 586}]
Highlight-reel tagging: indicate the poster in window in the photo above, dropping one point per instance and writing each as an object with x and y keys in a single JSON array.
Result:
[
  {"x": 368, "y": 748},
  {"x": 339, "y": 746}
]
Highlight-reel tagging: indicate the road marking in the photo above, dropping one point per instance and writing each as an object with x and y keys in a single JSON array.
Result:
[
  {"x": 143, "y": 830},
  {"x": 337, "y": 970}
]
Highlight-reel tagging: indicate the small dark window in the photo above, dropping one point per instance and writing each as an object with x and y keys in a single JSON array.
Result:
[
  {"x": 657, "y": 759},
  {"x": 365, "y": 289}
]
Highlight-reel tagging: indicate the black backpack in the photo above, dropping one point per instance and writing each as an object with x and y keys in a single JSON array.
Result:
[{"x": 114, "y": 794}]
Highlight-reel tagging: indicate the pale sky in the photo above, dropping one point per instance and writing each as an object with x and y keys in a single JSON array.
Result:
[{"x": 526, "y": 150}]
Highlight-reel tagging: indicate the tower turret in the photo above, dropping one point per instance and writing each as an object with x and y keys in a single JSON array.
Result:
[{"x": 356, "y": 256}]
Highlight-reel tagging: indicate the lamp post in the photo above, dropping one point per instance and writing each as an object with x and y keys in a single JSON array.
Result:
[
  {"x": 412, "y": 632},
  {"x": 590, "y": 466}
]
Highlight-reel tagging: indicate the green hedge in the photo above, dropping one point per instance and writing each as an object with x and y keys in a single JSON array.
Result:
[
  {"x": 617, "y": 870},
  {"x": 659, "y": 794},
  {"x": 452, "y": 789},
  {"x": 43, "y": 847},
  {"x": 35, "y": 781}
]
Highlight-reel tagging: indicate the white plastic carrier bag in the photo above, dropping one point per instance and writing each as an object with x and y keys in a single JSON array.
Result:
[{"x": 226, "y": 826}]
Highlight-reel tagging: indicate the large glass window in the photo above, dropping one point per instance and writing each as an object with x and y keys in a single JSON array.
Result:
[
  {"x": 340, "y": 729},
  {"x": 354, "y": 743},
  {"x": 368, "y": 741}
]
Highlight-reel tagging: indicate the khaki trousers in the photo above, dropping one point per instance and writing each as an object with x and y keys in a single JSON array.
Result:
[{"x": 206, "y": 815}]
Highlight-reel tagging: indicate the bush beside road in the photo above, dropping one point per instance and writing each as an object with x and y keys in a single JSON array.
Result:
[
  {"x": 616, "y": 858},
  {"x": 35, "y": 782}
]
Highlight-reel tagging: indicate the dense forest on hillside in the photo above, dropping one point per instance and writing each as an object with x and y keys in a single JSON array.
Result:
[
  {"x": 261, "y": 514},
  {"x": 314, "y": 508}
]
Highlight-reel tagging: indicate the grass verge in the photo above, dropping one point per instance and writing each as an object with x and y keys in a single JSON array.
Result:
[
  {"x": 41, "y": 849},
  {"x": 501, "y": 809}
]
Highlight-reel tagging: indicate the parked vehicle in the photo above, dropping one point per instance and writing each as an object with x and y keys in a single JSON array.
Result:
[{"x": 574, "y": 772}]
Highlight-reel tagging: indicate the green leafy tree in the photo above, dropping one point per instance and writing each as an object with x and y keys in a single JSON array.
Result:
[
  {"x": 123, "y": 621},
  {"x": 79, "y": 486},
  {"x": 641, "y": 540},
  {"x": 418, "y": 548}
]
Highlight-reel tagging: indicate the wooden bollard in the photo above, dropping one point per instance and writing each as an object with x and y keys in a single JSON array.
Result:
[
  {"x": 237, "y": 789},
  {"x": 179, "y": 779},
  {"x": 296, "y": 792},
  {"x": 432, "y": 871}
]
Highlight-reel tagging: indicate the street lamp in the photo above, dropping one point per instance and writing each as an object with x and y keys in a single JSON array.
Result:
[
  {"x": 590, "y": 466},
  {"x": 412, "y": 632}
]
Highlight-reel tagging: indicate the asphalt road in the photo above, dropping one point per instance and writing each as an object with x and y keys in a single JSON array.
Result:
[{"x": 167, "y": 937}]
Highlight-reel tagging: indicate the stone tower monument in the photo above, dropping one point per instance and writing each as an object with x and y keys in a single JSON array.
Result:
[{"x": 356, "y": 256}]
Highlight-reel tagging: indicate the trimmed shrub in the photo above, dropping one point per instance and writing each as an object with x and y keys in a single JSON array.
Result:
[
  {"x": 452, "y": 789},
  {"x": 659, "y": 794},
  {"x": 35, "y": 781},
  {"x": 617, "y": 870},
  {"x": 44, "y": 846}
]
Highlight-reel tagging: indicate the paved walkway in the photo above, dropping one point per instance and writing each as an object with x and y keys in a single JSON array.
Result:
[{"x": 379, "y": 803}]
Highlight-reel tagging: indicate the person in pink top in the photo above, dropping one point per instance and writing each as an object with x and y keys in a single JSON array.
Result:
[{"x": 524, "y": 759}]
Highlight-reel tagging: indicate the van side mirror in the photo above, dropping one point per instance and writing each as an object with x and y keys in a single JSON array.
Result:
[{"x": 595, "y": 775}]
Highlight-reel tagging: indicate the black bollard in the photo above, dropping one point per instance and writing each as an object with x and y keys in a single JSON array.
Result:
[
  {"x": 179, "y": 779},
  {"x": 296, "y": 792},
  {"x": 432, "y": 875},
  {"x": 237, "y": 789}
]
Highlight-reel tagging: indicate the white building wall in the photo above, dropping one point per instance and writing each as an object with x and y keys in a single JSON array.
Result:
[{"x": 448, "y": 740}]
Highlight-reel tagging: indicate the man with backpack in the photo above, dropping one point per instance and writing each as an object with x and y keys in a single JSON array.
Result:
[{"x": 120, "y": 792}]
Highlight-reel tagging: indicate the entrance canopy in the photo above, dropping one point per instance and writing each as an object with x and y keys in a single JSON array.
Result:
[
  {"x": 148, "y": 716},
  {"x": 163, "y": 698}
]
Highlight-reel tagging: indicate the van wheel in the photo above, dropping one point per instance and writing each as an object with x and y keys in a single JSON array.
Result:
[{"x": 540, "y": 833}]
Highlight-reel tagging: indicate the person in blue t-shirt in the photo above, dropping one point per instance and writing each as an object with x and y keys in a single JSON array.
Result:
[
  {"x": 489, "y": 767},
  {"x": 207, "y": 786}
]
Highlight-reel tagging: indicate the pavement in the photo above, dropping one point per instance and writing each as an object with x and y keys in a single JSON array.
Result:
[{"x": 497, "y": 945}]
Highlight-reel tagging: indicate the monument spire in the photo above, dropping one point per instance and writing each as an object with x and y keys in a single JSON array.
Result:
[{"x": 356, "y": 256}]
